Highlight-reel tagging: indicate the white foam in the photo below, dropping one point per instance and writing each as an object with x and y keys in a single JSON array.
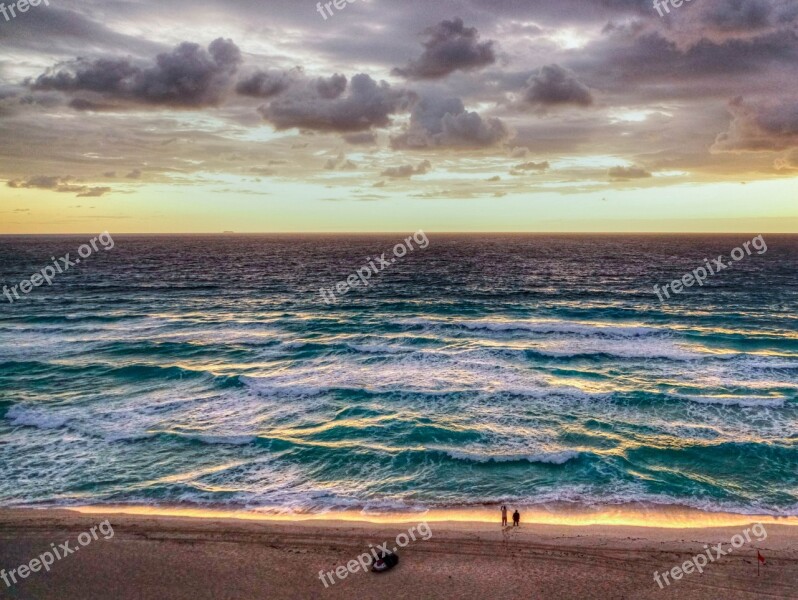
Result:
[
  {"x": 749, "y": 401},
  {"x": 30, "y": 417},
  {"x": 540, "y": 326},
  {"x": 378, "y": 348},
  {"x": 554, "y": 458},
  {"x": 420, "y": 372},
  {"x": 622, "y": 348}
]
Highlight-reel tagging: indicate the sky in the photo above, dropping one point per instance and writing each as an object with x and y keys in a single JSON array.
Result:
[{"x": 145, "y": 116}]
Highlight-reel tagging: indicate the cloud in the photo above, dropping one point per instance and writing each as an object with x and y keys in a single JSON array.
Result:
[
  {"x": 187, "y": 77},
  {"x": 555, "y": 86},
  {"x": 451, "y": 47},
  {"x": 444, "y": 122},
  {"x": 789, "y": 162},
  {"x": 765, "y": 126},
  {"x": 271, "y": 83},
  {"x": 58, "y": 184},
  {"x": 316, "y": 107},
  {"x": 628, "y": 173},
  {"x": 41, "y": 181},
  {"x": 341, "y": 163},
  {"x": 134, "y": 174},
  {"x": 407, "y": 171},
  {"x": 659, "y": 89},
  {"x": 623, "y": 58},
  {"x": 331, "y": 87},
  {"x": 94, "y": 192},
  {"x": 266, "y": 84},
  {"x": 266, "y": 172},
  {"x": 365, "y": 138},
  {"x": 334, "y": 162},
  {"x": 530, "y": 166},
  {"x": 739, "y": 15}
]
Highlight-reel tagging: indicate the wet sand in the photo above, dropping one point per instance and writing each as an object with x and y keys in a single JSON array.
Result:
[{"x": 161, "y": 557}]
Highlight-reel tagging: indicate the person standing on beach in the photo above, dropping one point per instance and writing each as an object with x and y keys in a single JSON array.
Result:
[
  {"x": 516, "y": 518},
  {"x": 504, "y": 516}
]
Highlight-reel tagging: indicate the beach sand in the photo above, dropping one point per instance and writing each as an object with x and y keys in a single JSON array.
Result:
[{"x": 164, "y": 557}]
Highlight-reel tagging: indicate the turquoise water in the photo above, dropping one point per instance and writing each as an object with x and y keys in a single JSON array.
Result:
[{"x": 534, "y": 370}]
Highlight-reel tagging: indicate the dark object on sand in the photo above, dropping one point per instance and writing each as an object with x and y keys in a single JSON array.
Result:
[{"x": 385, "y": 563}]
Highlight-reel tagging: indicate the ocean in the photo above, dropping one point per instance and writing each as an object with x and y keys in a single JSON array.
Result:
[{"x": 538, "y": 370}]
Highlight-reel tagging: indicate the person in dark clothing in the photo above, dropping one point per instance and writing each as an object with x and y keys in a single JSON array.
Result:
[
  {"x": 504, "y": 516},
  {"x": 516, "y": 518}
]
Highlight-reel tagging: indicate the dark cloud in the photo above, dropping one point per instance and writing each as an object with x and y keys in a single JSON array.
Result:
[
  {"x": 770, "y": 125},
  {"x": 65, "y": 184},
  {"x": 627, "y": 5},
  {"x": 187, "y": 77},
  {"x": 267, "y": 84},
  {"x": 451, "y": 47},
  {"x": 554, "y": 86},
  {"x": 365, "y": 138},
  {"x": 628, "y": 173},
  {"x": 658, "y": 88},
  {"x": 739, "y": 15},
  {"x": 332, "y": 87},
  {"x": 407, "y": 171},
  {"x": 82, "y": 104},
  {"x": 624, "y": 58},
  {"x": 59, "y": 31},
  {"x": 366, "y": 104},
  {"x": 444, "y": 122},
  {"x": 134, "y": 174}
]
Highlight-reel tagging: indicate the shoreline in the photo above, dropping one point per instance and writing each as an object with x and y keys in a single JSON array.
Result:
[
  {"x": 632, "y": 515},
  {"x": 221, "y": 556}
]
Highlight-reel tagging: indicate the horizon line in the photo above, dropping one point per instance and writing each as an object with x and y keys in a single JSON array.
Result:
[{"x": 353, "y": 233}]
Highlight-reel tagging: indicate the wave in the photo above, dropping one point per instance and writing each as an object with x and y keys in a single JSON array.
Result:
[
  {"x": 750, "y": 401},
  {"x": 579, "y": 328},
  {"x": 40, "y": 419},
  {"x": 378, "y": 348},
  {"x": 553, "y": 458},
  {"x": 214, "y": 440},
  {"x": 570, "y": 499}
]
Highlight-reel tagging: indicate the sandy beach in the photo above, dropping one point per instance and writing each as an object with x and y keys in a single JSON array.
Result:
[{"x": 167, "y": 557}]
